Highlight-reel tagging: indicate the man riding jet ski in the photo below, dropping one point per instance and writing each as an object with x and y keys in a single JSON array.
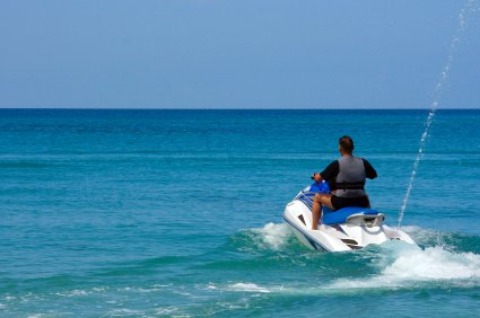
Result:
[
  {"x": 347, "y": 222},
  {"x": 346, "y": 178}
]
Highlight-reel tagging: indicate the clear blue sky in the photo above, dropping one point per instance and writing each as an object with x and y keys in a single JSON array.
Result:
[{"x": 234, "y": 54}]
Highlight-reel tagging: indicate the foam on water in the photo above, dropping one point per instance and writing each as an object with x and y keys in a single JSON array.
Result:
[
  {"x": 248, "y": 287},
  {"x": 166, "y": 311},
  {"x": 434, "y": 263},
  {"x": 273, "y": 236},
  {"x": 73, "y": 293},
  {"x": 409, "y": 268},
  {"x": 125, "y": 312},
  {"x": 413, "y": 266},
  {"x": 396, "y": 265}
]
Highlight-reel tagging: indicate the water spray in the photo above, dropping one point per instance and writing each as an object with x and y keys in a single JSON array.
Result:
[{"x": 470, "y": 7}]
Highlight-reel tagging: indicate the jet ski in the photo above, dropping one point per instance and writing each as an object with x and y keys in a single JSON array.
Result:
[{"x": 345, "y": 229}]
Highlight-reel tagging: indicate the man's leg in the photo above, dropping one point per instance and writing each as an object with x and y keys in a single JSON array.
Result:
[{"x": 318, "y": 200}]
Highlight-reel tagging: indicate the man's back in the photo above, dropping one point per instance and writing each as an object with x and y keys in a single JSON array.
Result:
[
  {"x": 350, "y": 178},
  {"x": 346, "y": 177}
]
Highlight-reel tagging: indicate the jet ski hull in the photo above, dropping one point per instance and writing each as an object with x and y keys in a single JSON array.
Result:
[{"x": 359, "y": 228}]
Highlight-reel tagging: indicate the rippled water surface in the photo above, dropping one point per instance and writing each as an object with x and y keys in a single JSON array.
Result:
[{"x": 178, "y": 213}]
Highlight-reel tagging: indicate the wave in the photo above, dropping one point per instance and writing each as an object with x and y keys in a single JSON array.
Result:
[
  {"x": 446, "y": 260},
  {"x": 271, "y": 236},
  {"x": 248, "y": 287},
  {"x": 408, "y": 267},
  {"x": 280, "y": 237},
  {"x": 403, "y": 268},
  {"x": 265, "y": 263}
]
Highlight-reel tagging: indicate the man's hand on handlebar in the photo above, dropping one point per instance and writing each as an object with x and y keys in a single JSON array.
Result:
[{"x": 316, "y": 176}]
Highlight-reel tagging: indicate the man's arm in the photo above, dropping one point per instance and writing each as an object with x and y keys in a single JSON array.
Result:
[
  {"x": 370, "y": 172},
  {"x": 328, "y": 173}
]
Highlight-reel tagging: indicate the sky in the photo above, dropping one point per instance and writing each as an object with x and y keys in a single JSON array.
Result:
[{"x": 236, "y": 54}]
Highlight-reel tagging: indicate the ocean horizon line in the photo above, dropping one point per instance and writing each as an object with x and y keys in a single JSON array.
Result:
[{"x": 228, "y": 109}]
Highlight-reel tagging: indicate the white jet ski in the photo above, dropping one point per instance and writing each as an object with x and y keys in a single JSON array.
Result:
[{"x": 342, "y": 230}]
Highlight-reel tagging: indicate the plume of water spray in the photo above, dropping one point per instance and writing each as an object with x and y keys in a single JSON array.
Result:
[{"x": 470, "y": 7}]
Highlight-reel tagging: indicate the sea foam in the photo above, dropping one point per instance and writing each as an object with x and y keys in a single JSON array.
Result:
[
  {"x": 249, "y": 287},
  {"x": 410, "y": 266},
  {"x": 272, "y": 235}
]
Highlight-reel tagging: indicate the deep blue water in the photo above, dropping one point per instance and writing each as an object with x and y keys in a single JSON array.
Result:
[{"x": 149, "y": 213}]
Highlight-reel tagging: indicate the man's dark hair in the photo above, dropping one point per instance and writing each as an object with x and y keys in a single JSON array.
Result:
[{"x": 346, "y": 143}]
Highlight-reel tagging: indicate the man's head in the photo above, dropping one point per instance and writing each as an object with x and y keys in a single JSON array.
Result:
[{"x": 345, "y": 145}]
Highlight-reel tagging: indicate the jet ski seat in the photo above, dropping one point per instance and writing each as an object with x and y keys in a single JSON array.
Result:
[{"x": 342, "y": 215}]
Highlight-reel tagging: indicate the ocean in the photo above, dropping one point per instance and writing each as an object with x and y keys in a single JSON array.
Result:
[{"x": 178, "y": 213}]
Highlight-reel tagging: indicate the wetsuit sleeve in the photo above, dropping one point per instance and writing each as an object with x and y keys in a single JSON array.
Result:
[
  {"x": 370, "y": 172},
  {"x": 331, "y": 171}
]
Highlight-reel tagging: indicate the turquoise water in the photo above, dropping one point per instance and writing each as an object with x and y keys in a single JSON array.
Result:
[{"x": 178, "y": 213}]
